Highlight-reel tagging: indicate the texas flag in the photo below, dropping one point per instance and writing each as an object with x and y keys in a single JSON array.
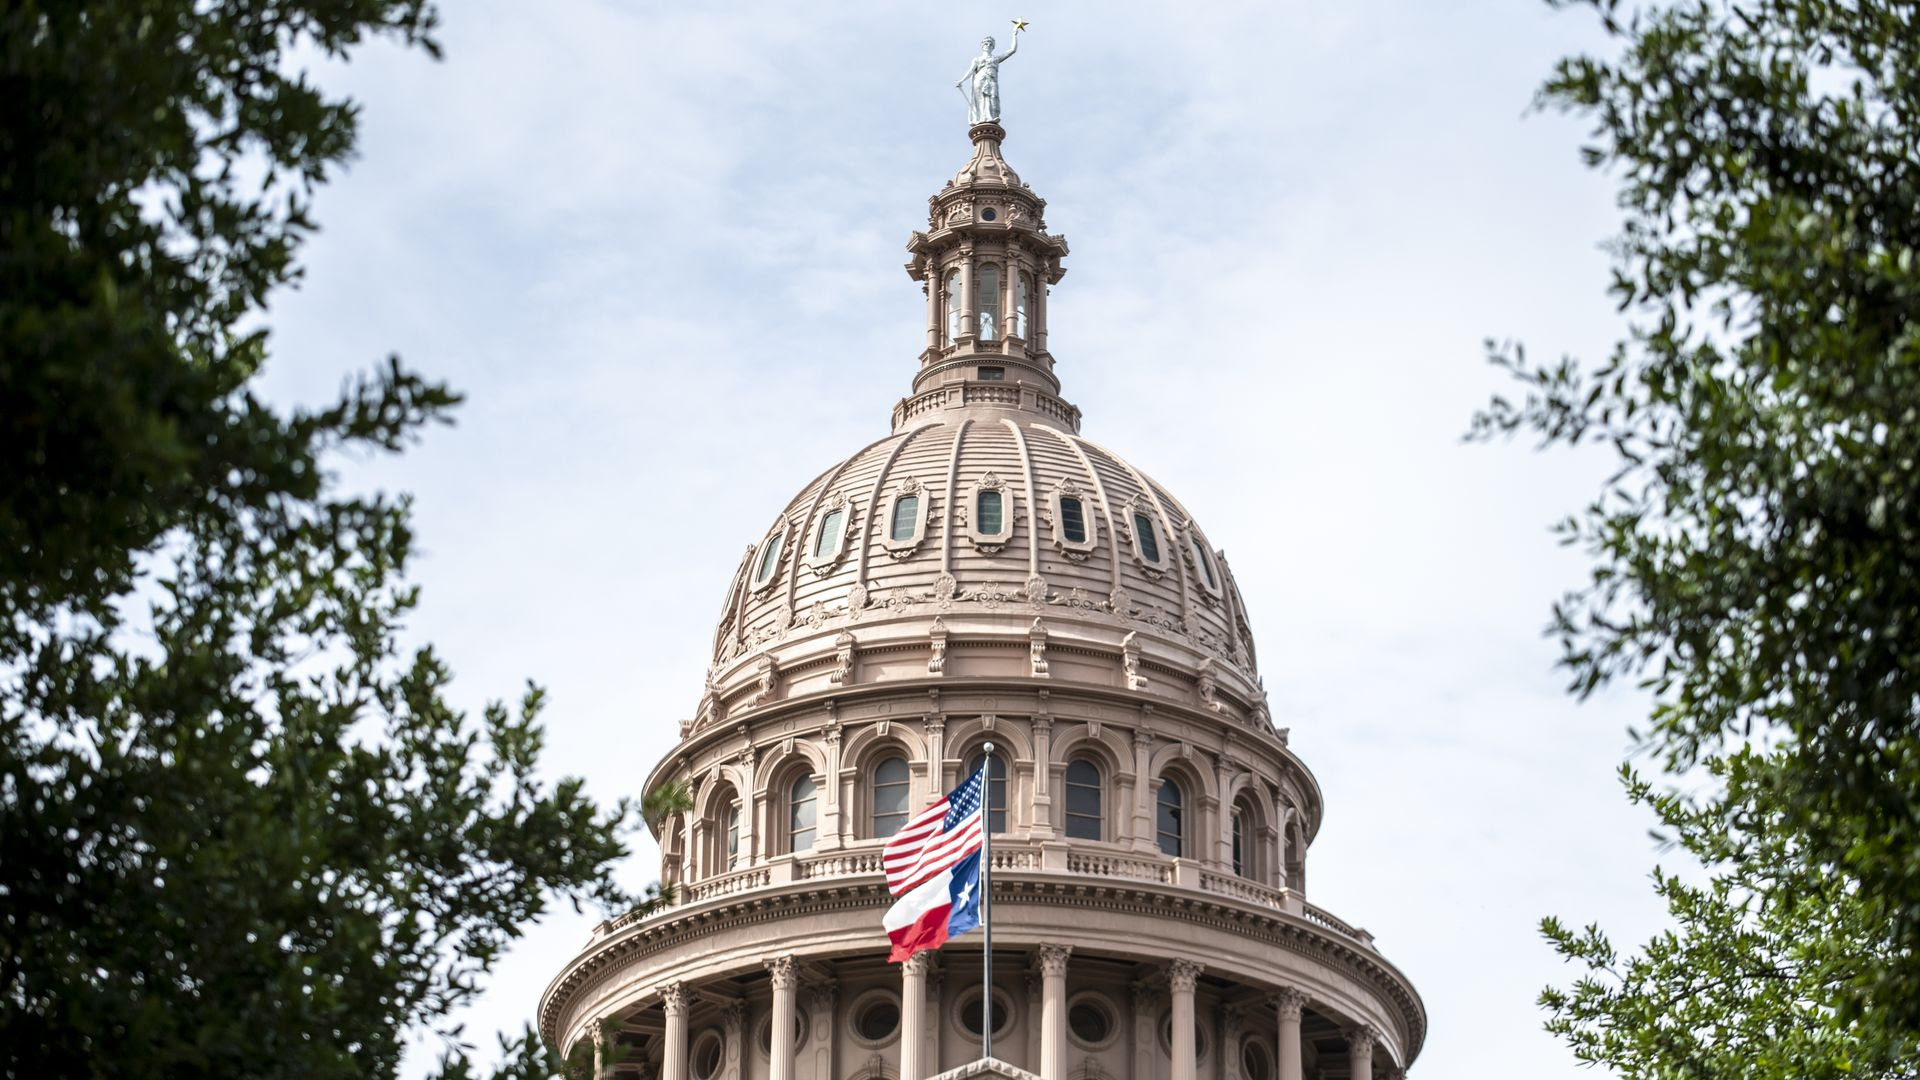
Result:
[{"x": 933, "y": 866}]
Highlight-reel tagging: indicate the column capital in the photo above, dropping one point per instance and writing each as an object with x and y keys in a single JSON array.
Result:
[
  {"x": 1288, "y": 1002},
  {"x": 1362, "y": 1037},
  {"x": 783, "y": 971},
  {"x": 1182, "y": 974},
  {"x": 673, "y": 998},
  {"x": 919, "y": 963},
  {"x": 1052, "y": 959}
]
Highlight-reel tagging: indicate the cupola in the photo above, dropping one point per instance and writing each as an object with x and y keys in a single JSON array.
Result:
[{"x": 985, "y": 264}]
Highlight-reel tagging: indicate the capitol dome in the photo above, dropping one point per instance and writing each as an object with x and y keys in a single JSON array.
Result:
[{"x": 985, "y": 574}]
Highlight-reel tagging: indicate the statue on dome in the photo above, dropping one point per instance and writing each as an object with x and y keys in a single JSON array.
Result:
[{"x": 981, "y": 84}]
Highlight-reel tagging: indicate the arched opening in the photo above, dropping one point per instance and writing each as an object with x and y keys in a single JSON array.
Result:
[
  {"x": 803, "y": 799},
  {"x": 996, "y": 788},
  {"x": 953, "y": 306},
  {"x": 988, "y": 290}
]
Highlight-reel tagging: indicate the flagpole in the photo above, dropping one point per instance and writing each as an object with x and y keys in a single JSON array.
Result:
[{"x": 986, "y": 910}]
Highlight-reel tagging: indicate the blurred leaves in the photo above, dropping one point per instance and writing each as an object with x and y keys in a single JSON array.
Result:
[
  {"x": 243, "y": 832},
  {"x": 1757, "y": 552}
]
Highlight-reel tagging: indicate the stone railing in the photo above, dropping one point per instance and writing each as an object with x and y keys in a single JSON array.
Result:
[
  {"x": 1119, "y": 866},
  {"x": 1016, "y": 856}
]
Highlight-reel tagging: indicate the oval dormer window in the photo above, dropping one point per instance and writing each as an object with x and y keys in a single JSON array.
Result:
[
  {"x": 827, "y": 541},
  {"x": 990, "y": 516},
  {"x": 906, "y": 517},
  {"x": 768, "y": 560}
]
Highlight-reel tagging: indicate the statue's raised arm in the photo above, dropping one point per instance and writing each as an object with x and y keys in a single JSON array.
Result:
[{"x": 981, "y": 83}]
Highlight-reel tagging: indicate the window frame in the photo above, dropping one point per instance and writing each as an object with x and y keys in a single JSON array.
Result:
[
  {"x": 990, "y": 543},
  {"x": 973, "y": 762},
  {"x": 953, "y": 316},
  {"x": 1200, "y": 554},
  {"x": 1073, "y": 549},
  {"x": 790, "y": 803},
  {"x": 987, "y": 302},
  {"x": 1140, "y": 509},
  {"x": 910, "y": 486},
  {"x": 821, "y": 562},
  {"x": 777, "y": 542}
]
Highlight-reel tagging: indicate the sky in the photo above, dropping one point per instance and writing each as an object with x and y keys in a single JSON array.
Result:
[{"x": 660, "y": 248}]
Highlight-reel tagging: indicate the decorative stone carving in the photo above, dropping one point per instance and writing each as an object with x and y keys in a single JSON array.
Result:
[
  {"x": 1182, "y": 974},
  {"x": 1209, "y": 688},
  {"x": 1130, "y": 661},
  {"x": 856, "y": 601},
  {"x": 1036, "y": 649},
  {"x": 783, "y": 972},
  {"x": 1361, "y": 1038},
  {"x": 769, "y": 679},
  {"x": 673, "y": 998},
  {"x": 937, "y": 635},
  {"x": 1052, "y": 959},
  {"x": 842, "y": 659},
  {"x": 1287, "y": 1003}
]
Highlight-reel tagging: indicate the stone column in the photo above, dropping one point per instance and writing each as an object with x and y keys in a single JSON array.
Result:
[
  {"x": 1181, "y": 976},
  {"x": 936, "y": 729},
  {"x": 1287, "y": 1004},
  {"x": 913, "y": 1016},
  {"x": 1041, "y": 827},
  {"x": 673, "y": 1002},
  {"x": 1144, "y": 790},
  {"x": 1360, "y": 1042},
  {"x": 734, "y": 1029},
  {"x": 784, "y": 978},
  {"x": 1053, "y": 1011},
  {"x": 601, "y": 1066},
  {"x": 1145, "y": 1007},
  {"x": 834, "y": 827},
  {"x": 935, "y": 1003},
  {"x": 969, "y": 319},
  {"x": 936, "y": 317},
  {"x": 821, "y": 1007}
]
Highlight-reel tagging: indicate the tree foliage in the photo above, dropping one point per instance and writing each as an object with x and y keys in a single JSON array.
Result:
[
  {"x": 1757, "y": 555},
  {"x": 243, "y": 832}
]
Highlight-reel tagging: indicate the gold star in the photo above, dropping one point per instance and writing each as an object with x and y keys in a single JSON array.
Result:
[{"x": 1019, "y": 25}]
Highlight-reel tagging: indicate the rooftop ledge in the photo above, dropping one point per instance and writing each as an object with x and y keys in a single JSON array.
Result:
[{"x": 1015, "y": 857}]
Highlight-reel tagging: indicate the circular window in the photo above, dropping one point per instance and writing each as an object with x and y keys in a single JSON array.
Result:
[
  {"x": 766, "y": 1034},
  {"x": 969, "y": 1014},
  {"x": 708, "y": 1052},
  {"x": 1199, "y": 1035},
  {"x": 1254, "y": 1062},
  {"x": 1091, "y": 1021},
  {"x": 876, "y": 1018},
  {"x": 988, "y": 214}
]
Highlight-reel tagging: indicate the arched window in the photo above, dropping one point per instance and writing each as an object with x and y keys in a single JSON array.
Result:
[
  {"x": 1145, "y": 537},
  {"x": 733, "y": 836},
  {"x": 1206, "y": 564},
  {"x": 1022, "y": 304},
  {"x": 996, "y": 789},
  {"x": 1171, "y": 820},
  {"x": 891, "y": 781},
  {"x": 906, "y": 517},
  {"x": 1241, "y": 863},
  {"x": 988, "y": 292},
  {"x": 953, "y": 306},
  {"x": 1083, "y": 800},
  {"x": 801, "y": 804}
]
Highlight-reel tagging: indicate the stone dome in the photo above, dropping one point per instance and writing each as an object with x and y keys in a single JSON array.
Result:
[{"x": 984, "y": 592}]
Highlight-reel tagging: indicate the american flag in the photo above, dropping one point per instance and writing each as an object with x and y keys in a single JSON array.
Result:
[{"x": 937, "y": 837}]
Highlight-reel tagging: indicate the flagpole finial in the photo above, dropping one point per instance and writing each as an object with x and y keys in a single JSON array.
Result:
[{"x": 989, "y": 748}]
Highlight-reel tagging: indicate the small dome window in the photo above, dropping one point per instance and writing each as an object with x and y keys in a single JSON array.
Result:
[
  {"x": 708, "y": 1053},
  {"x": 990, "y": 523},
  {"x": 767, "y": 561},
  {"x": 1073, "y": 520},
  {"x": 1145, "y": 537},
  {"x": 906, "y": 516},
  {"x": 829, "y": 535},
  {"x": 993, "y": 374},
  {"x": 802, "y": 801},
  {"x": 905, "y": 512},
  {"x": 1074, "y": 532},
  {"x": 1091, "y": 1021},
  {"x": 990, "y": 508},
  {"x": 1022, "y": 304}
]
